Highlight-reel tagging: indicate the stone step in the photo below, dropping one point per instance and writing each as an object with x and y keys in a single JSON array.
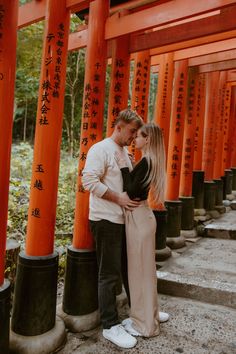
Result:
[
  {"x": 224, "y": 227},
  {"x": 193, "y": 328},
  {"x": 206, "y": 271}
]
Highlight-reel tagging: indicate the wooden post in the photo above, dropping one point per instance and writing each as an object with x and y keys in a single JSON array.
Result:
[
  {"x": 80, "y": 291},
  {"x": 198, "y": 174},
  {"x": 140, "y": 89},
  {"x": 164, "y": 95},
  {"x": 225, "y": 155},
  {"x": 8, "y": 31},
  {"x": 186, "y": 177},
  {"x": 233, "y": 130},
  {"x": 45, "y": 172},
  {"x": 173, "y": 204},
  {"x": 176, "y": 129},
  {"x": 185, "y": 189},
  {"x": 8, "y": 36},
  {"x": 37, "y": 269},
  {"x": 209, "y": 129},
  {"x": 92, "y": 113},
  {"x": 119, "y": 87},
  {"x": 217, "y": 170}
]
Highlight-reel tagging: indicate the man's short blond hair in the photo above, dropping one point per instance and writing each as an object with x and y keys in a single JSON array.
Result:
[{"x": 127, "y": 116}]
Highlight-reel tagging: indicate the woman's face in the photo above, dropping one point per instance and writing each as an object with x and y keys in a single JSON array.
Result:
[{"x": 140, "y": 141}]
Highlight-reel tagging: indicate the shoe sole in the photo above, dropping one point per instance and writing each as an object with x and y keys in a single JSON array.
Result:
[{"x": 118, "y": 344}]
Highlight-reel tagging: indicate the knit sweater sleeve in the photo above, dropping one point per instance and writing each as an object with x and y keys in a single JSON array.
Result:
[{"x": 134, "y": 181}]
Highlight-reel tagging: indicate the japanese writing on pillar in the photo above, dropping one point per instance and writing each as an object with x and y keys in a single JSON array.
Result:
[
  {"x": 180, "y": 103},
  {"x": 178, "y": 122},
  {"x": 90, "y": 127},
  {"x": 188, "y": 142},
  {"x": 140, "y": 87},
  {"x": 226, "y": 119},
  {"x": 118, "y": 84},
  {"x": 210, "y": 143},
  {"x": 222, "y": 107},
  {"x": 2, "y": 13},
  {"x": 199, "y": 102},
  {"x": 164, "y": 94},
  {"x": 38, "y": 184},
  {"x": 50, "y": 90},
  {"x": 52, "y": 72}
]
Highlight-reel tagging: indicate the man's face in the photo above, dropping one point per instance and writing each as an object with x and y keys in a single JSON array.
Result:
[{"x": 127, "y": 133}]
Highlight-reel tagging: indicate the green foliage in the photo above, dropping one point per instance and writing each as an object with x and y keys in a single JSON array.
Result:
[{"x": 22, "y": 156}]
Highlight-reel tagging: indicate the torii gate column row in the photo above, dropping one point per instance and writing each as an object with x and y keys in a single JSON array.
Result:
[
  {"x": 173, "y": 204},
  {"x": 8, "y": 31},
  {"x": 34, "y": 307},
  {"x": 80, "y": 291}
]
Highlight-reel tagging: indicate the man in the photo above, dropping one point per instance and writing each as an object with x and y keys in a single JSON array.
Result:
[{"x": 102, "y": 177}]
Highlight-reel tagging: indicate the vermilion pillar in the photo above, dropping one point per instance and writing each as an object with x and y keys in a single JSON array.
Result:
[
  {"x": 162, "y": 118},
  {"x": 140, "y": 89},
  {"x": 80, "y": 291},
  {"x": 189, "y": 134},
  {"x": 37, "y": 269},
  {"x": 210, "y": 124},
  {"x": 186, "y": 174},
  {"x": 8, "y": 31},
  {"x": 198, "y": 174},
  {"x": 219, "y": 121},
  {"x": 233, "y": 129},
  {"x": 226, "y": 125},
  {"x": 176, "y": 129},
  {"x": 92, "y": 113},
  {"x": 212, "y": 81},
  {"x": 119, "y": 87},
  {"x": 174, "y": 156},
  {"x": 233, "y": 138},
  {"x": 164, "y": 95}
]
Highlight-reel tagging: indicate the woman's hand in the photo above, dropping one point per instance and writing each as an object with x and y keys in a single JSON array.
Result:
[
  {"x": 127, "y": 203},
  {"x": 120, "y": 159}
]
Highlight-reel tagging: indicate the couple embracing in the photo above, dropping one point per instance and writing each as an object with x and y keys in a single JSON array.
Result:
[{"x": 124, "y": 227}]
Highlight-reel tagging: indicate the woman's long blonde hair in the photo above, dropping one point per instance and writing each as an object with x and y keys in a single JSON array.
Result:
[{"x": 156, "y": 158}]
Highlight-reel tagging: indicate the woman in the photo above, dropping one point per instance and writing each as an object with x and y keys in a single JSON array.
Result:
[{"x": 148, "y": 174}]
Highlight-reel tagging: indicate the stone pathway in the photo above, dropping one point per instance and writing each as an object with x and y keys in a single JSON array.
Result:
[
  {"x": 194, "y": 328},
  {"x": 204, "y": 270}
]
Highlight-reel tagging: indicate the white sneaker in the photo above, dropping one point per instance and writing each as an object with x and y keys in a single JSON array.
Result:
[
  {"x": 127, "y": 323},
  {"x": 163, "y": 317},
  {"x": 118, "y": 335}
]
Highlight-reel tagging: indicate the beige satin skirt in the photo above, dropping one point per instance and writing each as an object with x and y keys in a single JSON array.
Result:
[{"x": 140, "y": 234}]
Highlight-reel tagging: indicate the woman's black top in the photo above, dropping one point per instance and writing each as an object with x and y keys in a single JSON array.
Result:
[{"x": 134, "y": 180}]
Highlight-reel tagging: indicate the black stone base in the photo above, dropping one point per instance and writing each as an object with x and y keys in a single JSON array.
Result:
[
  {"x": 198, "y": 189},
  {"x": 234, "y": 178},
  {"x": 228, "y": 181},
  {"x": 219, "y": 192},
  {"x": 81, "y": 282},
  {"x": 161, "y": 231},
  {"x": 34, "y": 307},
  {"x": 174, "y": 211},
  {"x": 5, "y": 296},
  {"x": 209, "y": 195},
  {"x": 187, "y": 215}
]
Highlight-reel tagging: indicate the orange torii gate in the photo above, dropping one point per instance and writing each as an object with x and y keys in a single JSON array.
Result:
[{"x": 144, "y": 25}]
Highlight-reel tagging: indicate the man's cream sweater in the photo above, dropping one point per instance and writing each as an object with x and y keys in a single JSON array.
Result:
[{"x": 100, "y": 173}]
